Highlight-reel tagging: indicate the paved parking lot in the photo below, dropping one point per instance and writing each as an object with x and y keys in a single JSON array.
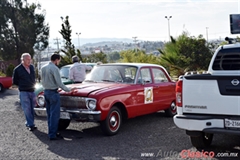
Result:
[{"x": 152, "y": 136}]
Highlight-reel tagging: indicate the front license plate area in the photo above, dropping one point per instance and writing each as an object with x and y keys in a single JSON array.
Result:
[
  {"x": 232, "y": 124},
  {"x": 64, "y": 115}
]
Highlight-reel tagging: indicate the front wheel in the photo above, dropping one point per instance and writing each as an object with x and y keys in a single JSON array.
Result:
[
  {"x": 202, "y": 141},
  {"x": 63, "y": 124},
  {"x": 172, "y": 110},
  {"x": 111, "y": 125}
]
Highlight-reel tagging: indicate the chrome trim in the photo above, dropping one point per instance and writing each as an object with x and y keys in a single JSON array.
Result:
[
  {"x": 82, "y": 111},
  {"x": 40, "y": 109},
  {"x": 72, "y": 111},
  {"x": 235, "y": 82}
]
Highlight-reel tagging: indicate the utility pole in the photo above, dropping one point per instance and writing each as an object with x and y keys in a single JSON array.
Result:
[
  {"x": 48, "y": 52},
  {"x": 78, "y": 34},
  {"x": 207, "y": 33},
  {"x": 168, "y": 18},
  {"x": 135, "y": 41},
  {"x": 57, "y": 39}
]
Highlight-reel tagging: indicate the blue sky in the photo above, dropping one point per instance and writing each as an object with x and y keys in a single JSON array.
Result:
[{"x": 143, "y": 19}]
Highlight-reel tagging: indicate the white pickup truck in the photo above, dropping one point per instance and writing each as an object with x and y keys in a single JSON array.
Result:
[{"x": 210, "y": 103}]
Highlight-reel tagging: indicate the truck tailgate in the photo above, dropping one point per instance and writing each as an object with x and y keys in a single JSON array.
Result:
[{"x": 213, "y": 95}]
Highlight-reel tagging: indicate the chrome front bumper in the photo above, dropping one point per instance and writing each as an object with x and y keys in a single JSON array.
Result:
[{"x": 75, "y": 114}]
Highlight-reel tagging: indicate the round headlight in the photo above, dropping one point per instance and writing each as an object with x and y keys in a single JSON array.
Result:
[
  {"x": 91, "y": 105},
  {"x": 41, "y": 101}
]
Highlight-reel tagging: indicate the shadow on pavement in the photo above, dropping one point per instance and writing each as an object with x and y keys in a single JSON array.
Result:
[{"x": 8, "y": 92}]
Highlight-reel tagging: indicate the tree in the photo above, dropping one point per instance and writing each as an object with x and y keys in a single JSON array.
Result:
[
  {"x": 138, "y": 56},
  {"x": 96, "y": 57},
  {"x": 113, "y": 57},
  {"x": 185, "y": 53},
  {"x": 69, "y": 48},
  {"x": 21, "y": 29}
]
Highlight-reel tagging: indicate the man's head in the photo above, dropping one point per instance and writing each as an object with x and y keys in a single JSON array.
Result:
[
  {"x": 75, "y": 59},
  {"x": 26, "y": 59},
  {"x": 55, "y": 58}
]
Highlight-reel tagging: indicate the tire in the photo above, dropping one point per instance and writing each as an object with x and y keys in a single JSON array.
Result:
[
  {"x": 63, "y": 124},
  {"x": 1, "y": 88},
  {"x": 111, "y": 125},
  {"x": 202, "y": 141},
  {"x": 172, "y": 110}
]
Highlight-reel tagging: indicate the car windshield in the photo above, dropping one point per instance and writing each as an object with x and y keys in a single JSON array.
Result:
[
  {"x": 64, "y": 72},
  {"x": 112, "y": 73}
]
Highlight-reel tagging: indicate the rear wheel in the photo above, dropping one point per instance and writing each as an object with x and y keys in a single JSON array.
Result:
[
  {"x": 172, "y": 110},
  {"x": 111, "y": 125},
  {"x": 202, "y": 141},
  {"x": 63, "y": 124}
]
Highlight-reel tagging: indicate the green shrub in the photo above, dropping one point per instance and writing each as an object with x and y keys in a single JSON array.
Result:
[
  {"x": 9, "y": 71},
  {"x": 2, "y": 74}
]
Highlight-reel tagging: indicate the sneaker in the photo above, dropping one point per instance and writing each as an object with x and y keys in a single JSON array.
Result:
[
  {"x": 31, "y": 128},
  {"x": 58, "y": 137}
]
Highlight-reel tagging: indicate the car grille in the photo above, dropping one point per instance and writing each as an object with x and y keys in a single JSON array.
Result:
[{"x": 73, "y": 102}]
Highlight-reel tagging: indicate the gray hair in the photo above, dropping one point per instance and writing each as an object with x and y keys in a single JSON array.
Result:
[
  {"x": 25, "y": 55},
  {"x": 75, "y": 58},
  {"x": 99, "y": 63}
]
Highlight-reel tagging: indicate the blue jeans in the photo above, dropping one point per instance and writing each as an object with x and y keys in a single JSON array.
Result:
[
  {"x": 52, "y": 99},
  {"x": 28, "y": 101}
]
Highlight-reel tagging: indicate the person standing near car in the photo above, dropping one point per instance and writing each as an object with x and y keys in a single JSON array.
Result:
[
  {"x": 24, "y": 78},
  {"x": 77, "y": 71},
  {"x": 51, "y": 81}
]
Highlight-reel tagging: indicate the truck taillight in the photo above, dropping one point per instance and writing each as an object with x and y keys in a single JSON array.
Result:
[{"x": 179, "y": 93}]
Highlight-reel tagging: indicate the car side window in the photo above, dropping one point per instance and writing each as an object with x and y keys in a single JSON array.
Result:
[
  {"x": 144, "y": 76},
  {"x": 159, "y": 76}
]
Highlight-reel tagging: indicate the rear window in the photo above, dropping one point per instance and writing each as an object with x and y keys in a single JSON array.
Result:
[{"x": 227, "y": 59}]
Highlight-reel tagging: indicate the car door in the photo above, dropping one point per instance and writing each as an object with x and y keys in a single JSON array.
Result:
[
  {"x": 163, "y": 89},
  {"x": 144, "y": 92}
]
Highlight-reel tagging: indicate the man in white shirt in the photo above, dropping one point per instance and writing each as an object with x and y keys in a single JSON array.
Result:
[{"x": 77, "y": 72}]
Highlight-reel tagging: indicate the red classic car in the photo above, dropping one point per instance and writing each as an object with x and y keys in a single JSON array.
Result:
[
  {"x": 5, "y": 83},
  {"x": 113, "y": 92}
]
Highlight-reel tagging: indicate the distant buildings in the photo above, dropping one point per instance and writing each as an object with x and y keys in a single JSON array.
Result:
[{"x": 106, "y": 47}]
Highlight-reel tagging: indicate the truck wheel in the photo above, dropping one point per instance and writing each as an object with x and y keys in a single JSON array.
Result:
[
  {"x": 63, "y": 124},
  {"x": 172, "y": 110},
  {"x": 202, "y": 141},
  {"x": 111, "y": 125}
]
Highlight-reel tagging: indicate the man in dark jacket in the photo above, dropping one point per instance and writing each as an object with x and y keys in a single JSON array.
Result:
[{"x": 24, "y": 78}]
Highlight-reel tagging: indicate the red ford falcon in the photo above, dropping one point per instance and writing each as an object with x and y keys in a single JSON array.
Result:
[{"x": 113, "y": 92}]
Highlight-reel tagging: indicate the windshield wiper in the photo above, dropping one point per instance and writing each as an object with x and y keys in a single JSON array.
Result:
[
  {"x": 107, "y": 80},
  {"x": 64, "y": 77},
  {"x": 90, "y": 81}
]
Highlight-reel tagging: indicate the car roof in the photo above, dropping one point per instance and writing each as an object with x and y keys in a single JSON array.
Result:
[
  {"x": 133, "y": 64},
  {"x": 69, "y": 65}
]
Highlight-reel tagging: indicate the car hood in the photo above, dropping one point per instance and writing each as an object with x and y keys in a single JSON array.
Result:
[{"x": 84, "y": 89}]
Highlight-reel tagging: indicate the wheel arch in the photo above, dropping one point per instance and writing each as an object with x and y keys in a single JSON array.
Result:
[{"x": 122, "y": 108}]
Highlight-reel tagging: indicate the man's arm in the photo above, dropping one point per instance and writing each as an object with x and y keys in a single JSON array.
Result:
[
  {"x": 15, "y": 77},
  {"x": 88, "y": 67},
  {"x": 59, "y": 81}
]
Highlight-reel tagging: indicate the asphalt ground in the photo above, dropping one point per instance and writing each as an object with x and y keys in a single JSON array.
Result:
[{"x": 153, "y": 136}]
